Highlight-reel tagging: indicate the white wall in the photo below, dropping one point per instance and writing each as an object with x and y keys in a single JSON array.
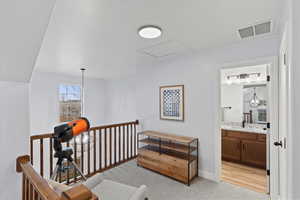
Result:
[
  {"x": 44, "y": 100},
  {"x": 294, "y": 49},
  {"x": 121, "y": 100},
  {"x": 200, "y": 75},
  {"x": 14, "y": 135},
  {"x": 23, "y": 25}
]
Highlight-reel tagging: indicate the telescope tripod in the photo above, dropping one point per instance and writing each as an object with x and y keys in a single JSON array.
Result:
[{"x": 62, "y": 155}]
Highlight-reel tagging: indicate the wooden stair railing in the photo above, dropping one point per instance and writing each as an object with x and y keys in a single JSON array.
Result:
[
  {"x": 34, "y": 187},
  {"x": 107, "y": 147}
]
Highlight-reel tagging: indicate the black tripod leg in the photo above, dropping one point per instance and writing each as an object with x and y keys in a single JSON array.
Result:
[
  {"x": 54, "y": 175},
  {"x": 56, "y": 169},
  {"x": 78, "y": 169}
]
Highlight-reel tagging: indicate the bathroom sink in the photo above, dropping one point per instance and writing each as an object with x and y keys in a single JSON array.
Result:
[{"x": 248, "y": 128}]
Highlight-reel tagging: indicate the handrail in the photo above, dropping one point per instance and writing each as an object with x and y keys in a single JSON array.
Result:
[
  {"x": 49, "y": 135},
  {"x": 114, "y": 125},
  {"x": 33, "y": 181},
  {"x": 35, "y": 187},
  {"x": 41, "y": 136}
]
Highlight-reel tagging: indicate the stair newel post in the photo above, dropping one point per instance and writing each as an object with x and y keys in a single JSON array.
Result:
[
  {"x": 138, "y": 141},
  {"x": 197, "y": 157},
  {"x": 189, "y": 152},
  {"x": 160, "y": 152}
]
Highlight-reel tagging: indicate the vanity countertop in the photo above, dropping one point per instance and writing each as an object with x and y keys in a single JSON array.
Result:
[{"x": 249, "y": 129}]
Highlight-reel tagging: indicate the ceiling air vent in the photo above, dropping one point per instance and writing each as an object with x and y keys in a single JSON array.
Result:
[
  {"x": 255, "y": 30},
  {"x": 246, "y": 32},
  {"x": 262, "y": 28}
]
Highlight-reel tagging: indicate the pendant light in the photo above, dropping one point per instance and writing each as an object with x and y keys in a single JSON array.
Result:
[
  {"x": 85, "y": 135},
  {"x": 83, "y": 139},
  {"x": 254, "y": 102}
]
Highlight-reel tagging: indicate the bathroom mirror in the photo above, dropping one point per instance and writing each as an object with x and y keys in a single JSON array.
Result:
[
  {"x": 255, "y": 104},
  {"x": 232, "y": 103}
]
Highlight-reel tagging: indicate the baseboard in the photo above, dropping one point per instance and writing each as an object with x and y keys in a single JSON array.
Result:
[
  {"x": 208, "y": 175},
  {"x": 275, "y": 197}
]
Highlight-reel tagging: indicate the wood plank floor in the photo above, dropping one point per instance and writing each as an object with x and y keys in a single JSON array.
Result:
[{"x": 245, "y": 176}]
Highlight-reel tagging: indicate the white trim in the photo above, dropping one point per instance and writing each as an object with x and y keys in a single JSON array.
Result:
[
  {"x": 284, "y": 44},
  {"x": 208, "y": 175},
  {"x": 273, "y": 116},
  {"x": 274, "y": 130}
]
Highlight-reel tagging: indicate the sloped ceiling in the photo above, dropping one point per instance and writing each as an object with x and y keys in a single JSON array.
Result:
[
  {"x": 22, "y": 27},
  {"x": 102, "y": 34}
]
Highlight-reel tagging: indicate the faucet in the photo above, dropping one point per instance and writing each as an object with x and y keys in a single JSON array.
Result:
[{"x": 243, "y": 123}]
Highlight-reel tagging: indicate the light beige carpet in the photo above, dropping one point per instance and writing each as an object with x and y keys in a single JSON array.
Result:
[{"x": 163, "y": 188}]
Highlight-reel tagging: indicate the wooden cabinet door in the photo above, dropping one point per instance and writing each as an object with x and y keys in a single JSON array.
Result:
[
  {"x": 254, "y": 153},
  {"x": 231, "y": 149}
]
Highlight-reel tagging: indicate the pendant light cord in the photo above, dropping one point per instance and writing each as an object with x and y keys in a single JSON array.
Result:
[{"x": 82, "y": 91}]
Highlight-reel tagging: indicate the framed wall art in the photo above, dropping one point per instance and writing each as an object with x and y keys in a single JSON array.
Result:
[{"x": 172, "y": 102}]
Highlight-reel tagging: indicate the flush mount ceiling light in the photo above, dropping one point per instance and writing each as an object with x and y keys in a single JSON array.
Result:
[{"x": 150, "y": 32}]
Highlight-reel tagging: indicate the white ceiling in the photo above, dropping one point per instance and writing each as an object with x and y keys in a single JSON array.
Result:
[
  {"x": 102, "y": 34},
  {"x": 22, "y": 27}
]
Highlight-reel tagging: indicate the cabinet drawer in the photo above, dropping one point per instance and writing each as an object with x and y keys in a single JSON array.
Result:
[
  {"x": 163, "y": 168},
  {"x": 234, "y": 134},
  {"x": 162, "y": 158},
  {"x": 167, "y": 165},
  {"x": 242, "y": 135},
  {"x": 262, "y": 137},
  {"x": 248, "y": 136}
]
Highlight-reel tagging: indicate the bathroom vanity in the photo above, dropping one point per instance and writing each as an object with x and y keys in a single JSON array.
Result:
[{"x": 245, "y": 147}]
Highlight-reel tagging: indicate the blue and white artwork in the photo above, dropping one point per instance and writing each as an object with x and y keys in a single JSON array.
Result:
[{"x": 172, "y": 102}]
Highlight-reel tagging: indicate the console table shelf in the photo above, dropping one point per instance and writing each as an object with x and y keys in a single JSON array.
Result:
[
  {"x": 171, "y": 155},
  {"x": 168, "y": 145},
  {"x": 170, "y": 137}
]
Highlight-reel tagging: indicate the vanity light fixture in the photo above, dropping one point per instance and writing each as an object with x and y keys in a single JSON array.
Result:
[
  {"x": 150, "y": 32},
  {"x": 243, "y": 78}
]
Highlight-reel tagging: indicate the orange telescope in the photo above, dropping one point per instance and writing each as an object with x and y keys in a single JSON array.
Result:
[
  {"x": 65, "y": 132},
  {"x": 79, "y": 126}
]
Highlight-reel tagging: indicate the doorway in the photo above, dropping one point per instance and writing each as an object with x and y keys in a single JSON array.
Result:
[{"x": 248, "y": 124}]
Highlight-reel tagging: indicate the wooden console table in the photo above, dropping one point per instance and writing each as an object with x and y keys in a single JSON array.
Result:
[{"x": 171, "y": 155}]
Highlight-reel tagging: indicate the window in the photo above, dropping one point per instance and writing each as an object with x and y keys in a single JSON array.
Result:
[{"x": 69, "y": 102}]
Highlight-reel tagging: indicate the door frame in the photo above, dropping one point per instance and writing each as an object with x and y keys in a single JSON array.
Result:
[
  {"x": 284, "y": 61},
  {"x": 273, "y": 131}
]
